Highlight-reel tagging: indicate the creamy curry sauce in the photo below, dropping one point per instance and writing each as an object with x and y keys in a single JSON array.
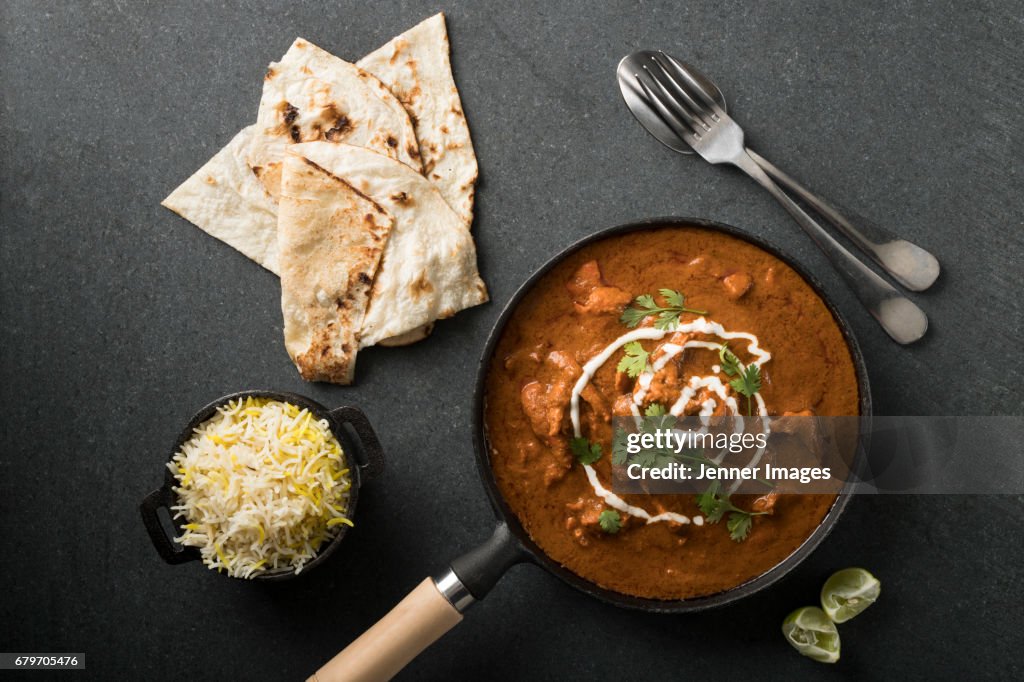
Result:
[{"x": 553, "y": 375}]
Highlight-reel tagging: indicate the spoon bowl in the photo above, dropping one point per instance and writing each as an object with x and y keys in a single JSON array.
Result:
[{"x": 637, "y": 103}]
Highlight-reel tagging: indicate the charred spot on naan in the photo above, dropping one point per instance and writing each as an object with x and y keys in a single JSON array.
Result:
[
  {"x": 333, "y": 123},
  {"x": 320, "y": 363},
  {"x": 401, "y": 45},
  {"x": 270, "y": 177},
  {"x": 421, "y": 286},
  {"x": 288, "y": 113}
]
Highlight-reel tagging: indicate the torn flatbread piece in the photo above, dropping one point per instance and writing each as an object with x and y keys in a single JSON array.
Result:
[
  {"x": 225, "y": 200},
  {"x": 408, "y": 338},
  {"x": 416, "y": 67},
  {"x": 331, "y": 240},
  {"x": 428, "y": 271},
  {"x": 312, "y": 95}
]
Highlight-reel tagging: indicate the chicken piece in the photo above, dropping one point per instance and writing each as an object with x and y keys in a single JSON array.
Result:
[
  {"x": 665, "y": 386},
  {"x": 545, "y": 403},
  {"x": 546, "y": 423},
  {"x": 696, "y": 403},
  {"x": 799, "y": 425},
  {"x": 765, "y": 503},
  {"x": 605, "y": 300},
  {"x": 546, "y": 406},
  {"x": 737, "y": 284},
  {"x": 592, "y": 295},
  {"x": 523, "y": 360},
  {"x": 569, "y": 373},
  {"x": 586, "y": 278},
  {"x": 623, "y": 406},
  {"x": 584, "y": 519},
  {"x": 534, "y": 397},
  {"x": 677, "y": 339},
  {"x": 566, "y": 372},
  {"x": 555, "y": 472}
]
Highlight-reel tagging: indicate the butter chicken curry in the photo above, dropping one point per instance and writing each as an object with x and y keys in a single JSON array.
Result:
[{"x": 554, "y": 377}]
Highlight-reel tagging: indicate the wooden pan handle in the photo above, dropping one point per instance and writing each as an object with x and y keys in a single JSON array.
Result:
[{"x": 415, "y": 623}]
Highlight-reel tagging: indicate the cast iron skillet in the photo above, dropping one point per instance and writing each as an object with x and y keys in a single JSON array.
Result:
[
  {"x": 362, "y": 444},
  {"x": 436, "y": 605}
]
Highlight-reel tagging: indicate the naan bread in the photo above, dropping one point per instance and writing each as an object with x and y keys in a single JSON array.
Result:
[
  {"x": 225, "y": 200},
  {"x": 312, "y": 95},
  {"x": 331, "y": 240},
  {"x": 428, "y": 271},
  {"x": 408, "y": 338},
  {"x": 416, "y": 67}
]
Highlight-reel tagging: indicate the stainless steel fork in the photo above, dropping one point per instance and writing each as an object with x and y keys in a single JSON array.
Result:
[{"x": 704, "y": 125}]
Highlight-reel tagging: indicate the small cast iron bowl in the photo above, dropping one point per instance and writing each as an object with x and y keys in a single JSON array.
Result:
[{"x": 348, "y": 424}]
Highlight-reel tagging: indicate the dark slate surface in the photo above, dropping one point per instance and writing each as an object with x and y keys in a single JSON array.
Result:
[{"x": 120, "y": 319}]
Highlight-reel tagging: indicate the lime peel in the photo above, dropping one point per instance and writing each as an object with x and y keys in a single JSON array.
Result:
[
  {"x": 812, "y": 634},
  {"x": 849, "y": 592}
]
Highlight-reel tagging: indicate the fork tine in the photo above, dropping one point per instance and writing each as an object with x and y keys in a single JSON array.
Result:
[
  {"x": 681, "y": 95},
  {"x": 667, "y": 105},
  {"x": 694, "y": 85},
  {"x": 680, "y": 127}
]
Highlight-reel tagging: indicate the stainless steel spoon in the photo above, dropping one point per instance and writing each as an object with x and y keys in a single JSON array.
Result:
[
  {"x": 662, "y": 94},
  {"x": 907, "y": 263}
]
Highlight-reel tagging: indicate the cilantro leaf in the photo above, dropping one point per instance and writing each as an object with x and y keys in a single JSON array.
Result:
[
  {"x": 707, "y": 501},
  {"x": 631, "y": 317},
  {"x": 645, "y": 458},
  {"x": 666, "y": 320},
  {"x": 634, "y": 361},
  {"x": 752, "y": 378},
  {"x": 655, "y": 410},
  {"x": 715, "y": 506},
  {"x": 747, "y": 384},
  {"x": 610, "y": 521},
  {"x": 619, "y": 452},
  {"x": 645, "y": 305},
  {"x": 673, "y": 298},
  {"x": 747, "y": 381},
  {"x": 739, "y": 525},
  {"x": 730, "y": 363},
  {"x": 646, "y": 301},
  {"x": 585, "y": 451}
]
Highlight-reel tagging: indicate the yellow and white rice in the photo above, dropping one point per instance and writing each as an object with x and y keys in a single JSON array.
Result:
[{"x": 261, "y": 486}]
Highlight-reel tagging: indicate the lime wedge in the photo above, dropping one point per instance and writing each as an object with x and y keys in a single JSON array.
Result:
[
  {"x": 848, "y": 592},
  {"x": 811, "y": 633}
]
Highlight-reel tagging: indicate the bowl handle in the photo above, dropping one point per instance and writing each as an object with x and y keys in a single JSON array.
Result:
[
  {"x": 373, "y": 464},
  {"x": 165, "y": 546}
]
